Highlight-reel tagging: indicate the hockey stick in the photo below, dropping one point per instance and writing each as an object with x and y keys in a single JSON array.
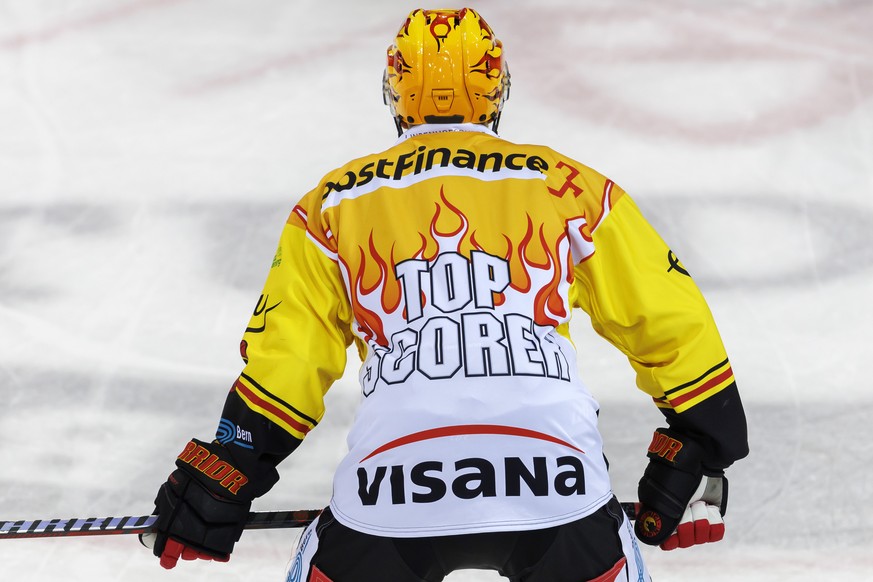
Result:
[{"x": 101, "y": 526}]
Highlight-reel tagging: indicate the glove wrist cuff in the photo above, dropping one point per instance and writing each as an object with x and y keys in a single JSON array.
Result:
[
  {"x": 212, "y": 465},
  {"x": 676, "y": 450}
]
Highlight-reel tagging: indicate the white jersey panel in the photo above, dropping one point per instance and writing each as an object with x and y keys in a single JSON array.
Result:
[{"x": 485, "y": 454}]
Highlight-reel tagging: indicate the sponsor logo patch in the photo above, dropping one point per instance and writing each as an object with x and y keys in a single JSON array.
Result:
[
  {"x": 228, "y": 433},
  {"x": 651, "y": 524},
  {"x": 429, "y": 481}
]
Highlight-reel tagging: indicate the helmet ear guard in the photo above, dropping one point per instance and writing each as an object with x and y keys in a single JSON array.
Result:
[
  {"x": 388, "y": 99},
  {"x": 445, "y": 66},
  {"x": 504, "y": 97}
]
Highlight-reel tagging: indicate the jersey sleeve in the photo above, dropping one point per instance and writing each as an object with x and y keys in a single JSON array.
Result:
[
  {"x": 294, "y": 346},
  {"x": 641, "y": 299}
]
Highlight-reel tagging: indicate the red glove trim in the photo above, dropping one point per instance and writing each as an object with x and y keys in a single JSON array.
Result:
[{"x": 174, "y": 550}]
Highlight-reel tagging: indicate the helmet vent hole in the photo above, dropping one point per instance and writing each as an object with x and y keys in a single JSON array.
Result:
[{"x": 443, "y": 99}]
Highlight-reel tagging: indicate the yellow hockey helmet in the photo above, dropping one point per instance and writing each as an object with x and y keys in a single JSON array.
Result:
[{"x": 445, "y": 66}]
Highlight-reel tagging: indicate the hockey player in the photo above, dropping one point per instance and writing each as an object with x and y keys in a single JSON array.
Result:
[{"x": 453, "y": 260}]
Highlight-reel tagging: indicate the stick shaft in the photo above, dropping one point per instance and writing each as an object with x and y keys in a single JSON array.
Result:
[{"x": 101, "y": 526}]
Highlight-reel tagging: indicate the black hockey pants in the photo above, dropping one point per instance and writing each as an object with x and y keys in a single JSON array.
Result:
[{"x": 590, "y": 549}]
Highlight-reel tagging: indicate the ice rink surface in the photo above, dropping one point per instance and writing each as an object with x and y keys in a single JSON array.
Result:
[{"x": 150, "y": 151}]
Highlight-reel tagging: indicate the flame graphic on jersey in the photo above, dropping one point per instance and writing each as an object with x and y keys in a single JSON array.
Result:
[{"x": 538, "y": 257}]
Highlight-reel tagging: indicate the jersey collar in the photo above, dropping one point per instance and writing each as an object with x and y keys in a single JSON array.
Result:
[{"x": 443, "y": 128}]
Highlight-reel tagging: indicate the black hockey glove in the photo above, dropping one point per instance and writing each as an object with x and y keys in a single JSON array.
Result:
[
  {"x": 680, "y": 505},
  {"x": 203, "y": 507}
]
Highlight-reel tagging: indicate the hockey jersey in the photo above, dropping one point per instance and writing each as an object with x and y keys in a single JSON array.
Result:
[{"x": 454, "y": 260}]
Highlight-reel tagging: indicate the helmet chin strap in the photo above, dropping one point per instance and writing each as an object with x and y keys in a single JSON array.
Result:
[{"x": 496, "y": 121}]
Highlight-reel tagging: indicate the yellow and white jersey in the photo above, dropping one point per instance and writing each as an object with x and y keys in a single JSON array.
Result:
[{"x": 454, "y": 260}]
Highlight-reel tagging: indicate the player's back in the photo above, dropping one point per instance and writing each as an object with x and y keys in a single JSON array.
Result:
[{"x": 457, "y": 249}]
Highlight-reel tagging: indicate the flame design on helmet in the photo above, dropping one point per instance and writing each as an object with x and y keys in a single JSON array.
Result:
[{"x": 445, "y": 66}]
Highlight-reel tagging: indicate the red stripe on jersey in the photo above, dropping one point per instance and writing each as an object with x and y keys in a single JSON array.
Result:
[
  {"x": 284, "y": 416},
  {"x": 467, "y": 429},
  {"x": 679, "y": 400}
]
